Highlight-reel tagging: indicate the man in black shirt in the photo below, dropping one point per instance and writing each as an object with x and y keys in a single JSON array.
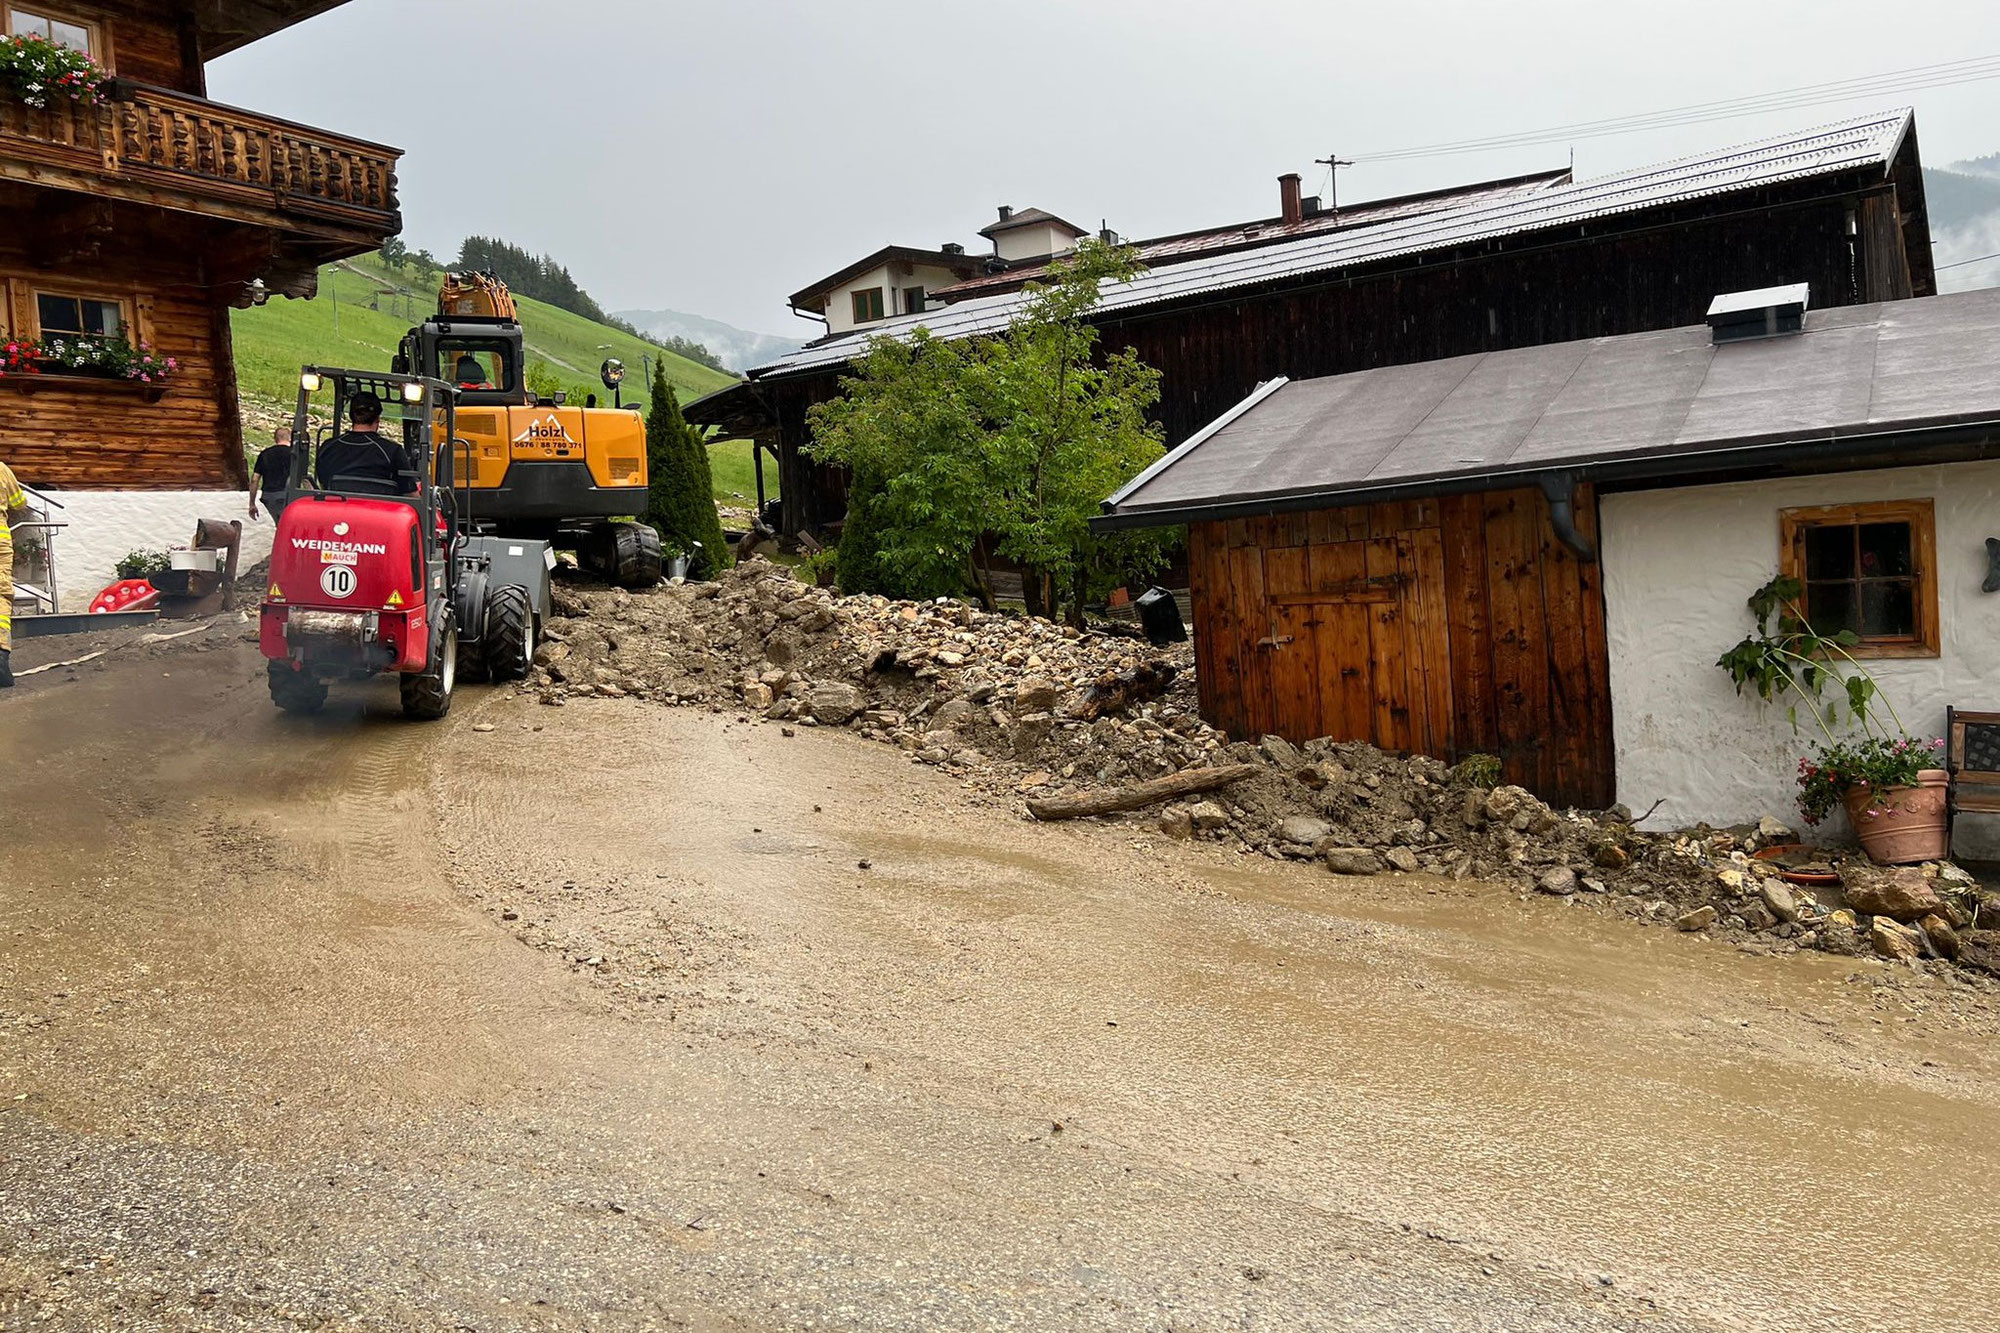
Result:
[
  {"x": 273, "y": 473},
  {"x": 361, "y": 459}
]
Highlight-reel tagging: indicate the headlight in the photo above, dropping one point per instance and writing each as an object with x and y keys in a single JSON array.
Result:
[
  {"x": 413, "y": 393},
  {"x": 309, "y": 382}
]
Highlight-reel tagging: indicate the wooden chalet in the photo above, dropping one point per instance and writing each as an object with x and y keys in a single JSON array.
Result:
[
  {"x": 149, "y": 215},
  {"x": 1537, "y": 260}
]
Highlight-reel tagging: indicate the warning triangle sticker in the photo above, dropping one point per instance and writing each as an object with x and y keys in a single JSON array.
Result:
[
  {"x": 275, "y": 594},
  {"x": 395, "y": 599}
]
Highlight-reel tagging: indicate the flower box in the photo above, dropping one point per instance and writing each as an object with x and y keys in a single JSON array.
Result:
[{"x": 51, "y": 381}]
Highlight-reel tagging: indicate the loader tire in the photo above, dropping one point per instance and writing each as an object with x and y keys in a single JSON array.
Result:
[
  {"x": 635, "y": 556},
  {"x": 508, "y": 649},
  {"x": 295, "y": 691},
  {"x": 427, "y": 693}
]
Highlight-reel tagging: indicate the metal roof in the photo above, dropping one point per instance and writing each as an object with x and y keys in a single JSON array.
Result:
[
  {"x": 1870, "y": 142},
  {"x": 1182, "y": 246},
  {"x": 1643, "y": 405}
]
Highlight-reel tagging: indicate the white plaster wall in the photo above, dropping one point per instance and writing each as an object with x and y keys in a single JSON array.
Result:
[
  {"x": 1678, "y": 566},
  {"x": 839, "y": 308},
  {"x": 1033, "y": 242},
  {"x": 105, "y": 525}
]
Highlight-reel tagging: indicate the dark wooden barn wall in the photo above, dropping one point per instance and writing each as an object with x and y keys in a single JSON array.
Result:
[
  {"x": 1210, "y": 358},
  {"x": 1643, "y": 272},
  {"x": 1448, "y": 627}
]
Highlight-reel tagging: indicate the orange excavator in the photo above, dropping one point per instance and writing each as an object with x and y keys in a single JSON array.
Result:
[{"x": 539, "y": 468}]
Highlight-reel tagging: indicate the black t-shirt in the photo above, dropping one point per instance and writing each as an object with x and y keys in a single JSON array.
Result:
[
  {"x": 274, "y": 468},
  {"x": 368, "y": 462}
]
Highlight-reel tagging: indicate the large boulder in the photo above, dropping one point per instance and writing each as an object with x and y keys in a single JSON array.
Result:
[
  {"x": 1353, "y": 861},
  {"x": 1898, "y": 943},
  {"x": 1980, "y": 949},
  {"x": 1303, "y": 830},
  {"x": 1035, "y": 695},
  {"x": 1901, "y": 893},
  {"x": 833, "y": 704}
]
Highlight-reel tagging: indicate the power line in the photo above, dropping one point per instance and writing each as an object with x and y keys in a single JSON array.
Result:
[
  {"x": 1963, "y": 262},
  {"x": 1972, "y": 69}
]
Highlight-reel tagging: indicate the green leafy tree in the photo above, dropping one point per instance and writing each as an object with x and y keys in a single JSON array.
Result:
[
  {"x": 680, "y": 499},
  {"x": 395, "y": 252},
  {"x": 1015, "y": 439}
]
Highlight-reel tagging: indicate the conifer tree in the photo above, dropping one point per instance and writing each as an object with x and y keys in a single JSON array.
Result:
[{"x": 680, "y": 496}]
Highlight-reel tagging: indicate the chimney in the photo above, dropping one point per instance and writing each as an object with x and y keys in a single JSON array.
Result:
[
  {"x": 1288, "y": 198},
  {"x": 952, "y": 248},
  {"x": 1006, "y": 212}
]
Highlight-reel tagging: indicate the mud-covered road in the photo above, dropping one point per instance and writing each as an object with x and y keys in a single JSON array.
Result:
[{"x": 592, "y": 1017}]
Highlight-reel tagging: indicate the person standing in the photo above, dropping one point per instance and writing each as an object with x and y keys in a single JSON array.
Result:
[
  {"x": 273, "y": 472},
  {"x": 12, "y": 499}
]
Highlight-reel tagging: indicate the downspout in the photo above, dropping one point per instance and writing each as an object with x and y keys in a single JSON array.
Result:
[{"x": 1560, "y": 490}]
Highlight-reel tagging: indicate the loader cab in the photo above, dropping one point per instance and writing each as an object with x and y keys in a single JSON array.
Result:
[{"x": 480, "y": 357}]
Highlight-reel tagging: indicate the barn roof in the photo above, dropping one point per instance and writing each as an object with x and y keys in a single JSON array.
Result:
[
  {"x": 1866, "y": 144},
  {"x": 1872, "y": 385}
]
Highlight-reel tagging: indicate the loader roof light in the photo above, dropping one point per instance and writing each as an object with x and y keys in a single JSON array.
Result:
[
  {"x": 309, "y": 382},
  {"x": 413, "y": 393}
]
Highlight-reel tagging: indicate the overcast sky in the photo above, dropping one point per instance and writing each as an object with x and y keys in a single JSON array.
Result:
[{"x": 712, "y": 158}]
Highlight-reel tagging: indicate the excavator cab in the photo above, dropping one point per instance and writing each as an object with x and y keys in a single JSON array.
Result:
[{"x": 531, "y": 467}]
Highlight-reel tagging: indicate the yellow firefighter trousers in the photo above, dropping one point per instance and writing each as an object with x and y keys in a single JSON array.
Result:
[{"x": 6, "y": 586}]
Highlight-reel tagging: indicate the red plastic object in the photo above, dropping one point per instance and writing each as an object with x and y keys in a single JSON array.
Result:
[{"x": 126, "y": 595}]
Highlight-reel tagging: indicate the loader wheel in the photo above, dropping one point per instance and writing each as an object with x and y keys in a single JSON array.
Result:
[
  {"x": 295, "y": 691},
  {"x": 635, "y": 556},
  {"x": 509, "y": 647},
  {"x": 427, "y": 694}
]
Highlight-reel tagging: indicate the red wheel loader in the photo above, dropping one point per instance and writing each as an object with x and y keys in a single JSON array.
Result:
[{"x": 366, "y": 582}]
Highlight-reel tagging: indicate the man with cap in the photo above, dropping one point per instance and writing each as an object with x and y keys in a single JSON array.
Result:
[{"x": 361, "y": 458}]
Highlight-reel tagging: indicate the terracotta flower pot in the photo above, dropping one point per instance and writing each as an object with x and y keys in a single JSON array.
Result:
[{"x": 1902, "y": 825}]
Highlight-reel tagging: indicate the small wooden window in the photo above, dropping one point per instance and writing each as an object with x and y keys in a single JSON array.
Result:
[
  {"x": 77, "y": 35},
  {"x": 867, "y": 305},
  {"x": 1869, "y": 568},
  {"x": 913, "y": 300},
  {"x": 61, "y": 315}
]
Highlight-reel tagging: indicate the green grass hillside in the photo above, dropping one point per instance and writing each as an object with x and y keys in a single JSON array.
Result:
[{"x": 363, "y": 310}]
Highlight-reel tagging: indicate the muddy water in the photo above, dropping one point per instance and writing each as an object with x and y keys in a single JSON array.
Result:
[{"x": 379, "y": 1022}]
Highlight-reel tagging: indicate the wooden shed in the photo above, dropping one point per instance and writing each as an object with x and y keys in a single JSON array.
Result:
[{"x": 1478, "y": 554}]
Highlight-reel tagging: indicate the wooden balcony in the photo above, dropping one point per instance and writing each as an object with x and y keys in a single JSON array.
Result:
[{"x": 155, "y": 146}]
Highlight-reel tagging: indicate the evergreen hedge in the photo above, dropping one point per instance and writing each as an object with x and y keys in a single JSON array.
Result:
[{"x": 680, "y": 497}]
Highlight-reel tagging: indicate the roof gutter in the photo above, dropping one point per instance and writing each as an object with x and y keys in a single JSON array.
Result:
[{"x": 1964, "y": 441}]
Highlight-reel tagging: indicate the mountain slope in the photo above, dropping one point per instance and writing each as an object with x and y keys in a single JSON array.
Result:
[
  {"x": 739, "y": 349},
  {"x": 339, "y": 328},
  {"x": 1964, "y": 203}
]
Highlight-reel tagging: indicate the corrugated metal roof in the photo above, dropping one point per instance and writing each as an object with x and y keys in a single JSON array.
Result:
[
  {"x": 1183, "y": 246},
  {"x": 1845, "y": 146},
  {"x": 1629, "y": 405}
]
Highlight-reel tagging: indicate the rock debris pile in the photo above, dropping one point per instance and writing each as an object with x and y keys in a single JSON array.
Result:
[{"x": 1019, "y": 707}]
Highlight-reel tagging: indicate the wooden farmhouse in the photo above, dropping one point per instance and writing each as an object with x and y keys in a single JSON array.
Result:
[
  {"x": 143, "y": 217},
  {"x": 1540, "y": 553},
  {"x": 1516, "y": 263}
]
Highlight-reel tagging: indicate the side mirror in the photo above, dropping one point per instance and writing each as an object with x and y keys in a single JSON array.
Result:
[
  {"x": 612, "y": 372},
  {"x": 400, "y": 365}
]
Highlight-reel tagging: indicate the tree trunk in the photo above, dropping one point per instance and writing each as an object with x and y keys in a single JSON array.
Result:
[
  {"x": 1076, "y": 596},
  {"x": 1184, "y": 783},
  {"x": 1034, "y": 592}
]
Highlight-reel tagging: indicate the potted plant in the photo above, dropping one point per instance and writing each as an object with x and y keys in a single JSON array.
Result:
[
  {"x": 677, "y": 558},
  {"x": 1883, "y": 777}
]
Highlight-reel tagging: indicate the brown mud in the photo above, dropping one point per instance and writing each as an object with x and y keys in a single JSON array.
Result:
[{"x": 598, "y": 1019}]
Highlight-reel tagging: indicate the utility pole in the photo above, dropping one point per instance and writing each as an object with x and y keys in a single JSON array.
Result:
[{"x": 1333, "y": 162}]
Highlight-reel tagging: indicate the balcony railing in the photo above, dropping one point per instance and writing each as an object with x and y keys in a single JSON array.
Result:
[{"x": 155, "y": 139}]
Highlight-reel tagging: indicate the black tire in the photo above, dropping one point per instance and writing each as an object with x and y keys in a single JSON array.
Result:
[
  {"x": 472, "y": 664},
  {"x": 295, "y": 691},
  {"x": 427, "y": 693},
  {"x": 509, "y": 647},
  {"x": 635, "y": 556}
]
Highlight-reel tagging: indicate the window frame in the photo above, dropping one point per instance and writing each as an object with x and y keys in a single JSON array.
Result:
[
  {"x": 915, "y": 300},
  {"x": 1921, "y": 515},
  {"x": 93, "y": 29},
  {"x": 876, "y": 303},
  {"x": 127, "y": 327}
]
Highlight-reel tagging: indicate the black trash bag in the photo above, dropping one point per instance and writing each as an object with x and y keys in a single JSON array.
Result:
[{"x": 1160, "y": 617}]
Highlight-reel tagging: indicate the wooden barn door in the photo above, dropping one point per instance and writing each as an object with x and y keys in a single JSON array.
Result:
[{"x": 1441, "y": 627}]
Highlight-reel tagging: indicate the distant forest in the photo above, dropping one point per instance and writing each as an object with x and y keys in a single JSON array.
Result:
[{"x": 544, "y": 279}]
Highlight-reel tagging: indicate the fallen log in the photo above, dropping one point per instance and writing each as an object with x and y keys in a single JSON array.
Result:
[
  {"x": 1184, "y": 783},
  {"x": 1114, "y": 692}
]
